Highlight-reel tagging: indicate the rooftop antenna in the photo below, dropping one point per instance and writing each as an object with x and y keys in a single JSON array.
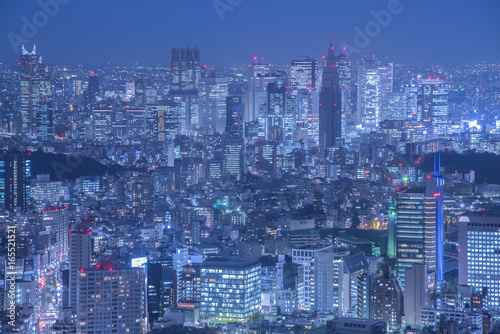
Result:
[{"x": 331, "y": 40}]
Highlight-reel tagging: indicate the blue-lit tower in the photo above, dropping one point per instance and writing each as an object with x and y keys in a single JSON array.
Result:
[{"x": 433, "y": 220}]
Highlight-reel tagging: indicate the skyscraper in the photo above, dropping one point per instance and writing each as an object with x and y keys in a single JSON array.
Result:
[
  {"x": 375, "y": 81},
  {"x": 255, "y": 96},
  {"x": 409, "y": 231},
  {"x": 79, "y": 258},
  {"x": 15, "y": 178},
  {"x": 330, "y": 106},
  {"x": 432, "y": 104},
  {"x": 44, "y": 125},
  {"x": 235, "y": 125},
  {"x": 345, "y": 75},
  {"x": 213, "y": 95},
  {"x": 35, "y": 84},
  {"x": 419, "y": 228},
  {"x": 185, "y": 68},
  {"x": 303, "y": 74}
]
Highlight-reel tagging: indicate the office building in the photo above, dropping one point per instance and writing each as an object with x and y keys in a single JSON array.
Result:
[
  {"x": 375, "y": 81},
  {"x": 303, "y": 74},
  {"x": 432, "y": 104},
  {"x": 111, "y": 300},
  {"x": 35, "y": 84},
  {"x": 330, "y": 106},
  {"x": 416, "y": 294},
  {"x": 230, "y": 290},
  {"x": 15, "y": 181},
  {"x": 185, "y": 68},
  {"x": 478, "y": 254},
  {"x": 233, "y": 154},
  {"x": 79, "y": 258},
  {"x": 356, "y": 326},
  {"x": 212, "y": 107},
  {"x": 235, "y": 125},
  {"x": 255, "y": 96}
]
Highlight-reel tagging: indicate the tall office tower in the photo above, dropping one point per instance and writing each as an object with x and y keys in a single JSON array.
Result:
[
  {"x": 213, "y": 97},
  {"x": 35, "y": 84},
  {"x": 142, "y": 195},
  {"x": 386, "y": 86},
  {"x": 409, "y": 231},
  {"x": 15, "y": 178},
  {"x": 375, "y": 81},
  {"x": 145, "y": 91},
  {"x": 44, "y": 124},
  {"x": 479, "y": 255},
  {"x": 320, "y": 273},
  {"x": 56, "y": 220},
  {"x": 79, "y": 258},
  {"x": 397, "y": 106},
  {"x": 416, "y": 295},
  {"x": 419, "y": 228},
  {"x": 433, "y": 222},
  {"x": 111, "y": 300},
  {"x": 189, "y": 114},
  {"x": 230, "y": 290},
  {"x": 345, "y": 74},
  {"x": 330, "y": 106},
  {"x": 432, "y": 104},
  {"x": 272, "y": 118},
  {"x": 411, "y": 91},
  {"x": 235, "y": 125},
  {"x": 303, "y": 74},
  {"x": 185, "y": 68},
  {"x": 255, "y": 96},
  {"x": 386, "y": 300},
  {"x": 102, "y": 125},
  {"x": 165, "y": 120},
  {"x": 233, "y": 150},
  {"x": 136, "y": 123}
]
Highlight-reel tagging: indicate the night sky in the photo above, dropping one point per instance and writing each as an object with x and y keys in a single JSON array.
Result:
[{"x": 124, "y": 31}]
